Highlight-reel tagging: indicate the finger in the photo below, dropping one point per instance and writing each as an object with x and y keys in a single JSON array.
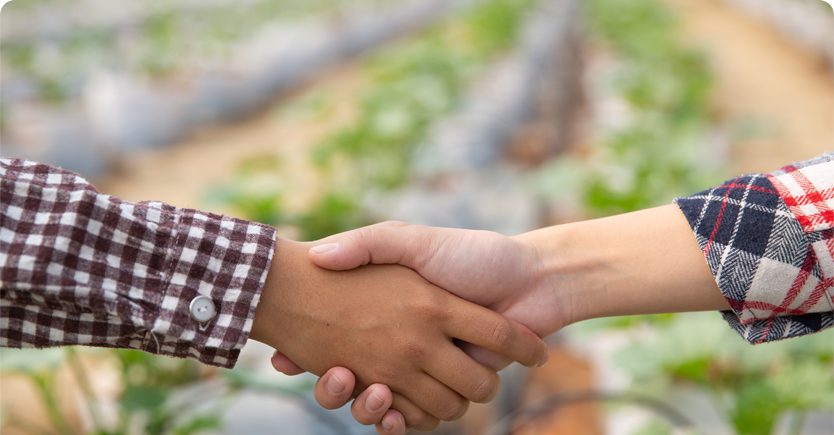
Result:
[
  {"x": 486, "y": 358},
  {"x": 482, "y": 327},
  {"x": 414, "y": 416},
  {"x": 383, "y": 243},
  {"x": 393, "y": 423},
  {"x": 462, "y": 374},
  {"x": 435, "y": 398},
  {"x": 284, "y": 365},
  {"x": 335, "y": 388},
  {"x": 372, "y": 404}
]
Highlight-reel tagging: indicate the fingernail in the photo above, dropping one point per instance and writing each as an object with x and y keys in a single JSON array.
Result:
[
  {"x": 321, "y": 249},
  {"x": 374, "y": 402},
  {"x": 388, "y": 423},
  {"x": 334, "y": 385}
]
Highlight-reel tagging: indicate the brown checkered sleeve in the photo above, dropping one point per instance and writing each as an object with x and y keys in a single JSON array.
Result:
[{"x": 78, "y": 267}]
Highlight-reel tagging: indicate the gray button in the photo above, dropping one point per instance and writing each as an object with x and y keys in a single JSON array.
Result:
[{"x": 202, "y": 309}]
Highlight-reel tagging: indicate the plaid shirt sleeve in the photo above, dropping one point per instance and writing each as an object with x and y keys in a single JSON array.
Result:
[
  {"x": 78, "y": 267},
  {"x": 769, "y": 241}
]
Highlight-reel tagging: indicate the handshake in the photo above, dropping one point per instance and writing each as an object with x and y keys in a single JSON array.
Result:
[{"x": 414, "y": 321}]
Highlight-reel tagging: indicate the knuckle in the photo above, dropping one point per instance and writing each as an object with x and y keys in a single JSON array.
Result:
[
  {"x": 430, "y": 306},
  {"x": 501, "y": 333},
  {"x": 427, "y": 423},
  {"x": 360, "y": 234},
  {"x": 455, "y": 409},
  {"x": 420, "y": 420},
  {"x": 486, "y": 388}
]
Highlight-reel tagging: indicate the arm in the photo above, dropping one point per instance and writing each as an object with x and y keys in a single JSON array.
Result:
[
  {"x": 389, "y": 326},
  {"x": 768, "y": 240},
  {"x": 546, "y": 278},
  {"x": 81, "y": 267},
  {"x": 636, "y": 263}
]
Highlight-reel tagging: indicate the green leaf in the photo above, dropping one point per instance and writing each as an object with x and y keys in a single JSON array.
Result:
[
  {"x": 198, "y": 424},
  {"x": 143, "y": 398}
]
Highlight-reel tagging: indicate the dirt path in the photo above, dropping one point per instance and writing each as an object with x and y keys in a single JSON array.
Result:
[
  {"x": 763, "y": 80},
  {"x": 566, "y": 374},
  {"x": 183, "y": 173}
]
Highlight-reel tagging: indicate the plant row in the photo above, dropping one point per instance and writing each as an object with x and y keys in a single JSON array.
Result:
[
  {"x": 144, "y": 38},
  {"x": 653, "y": 139},
  {"x": 416, "y": 84},
  {"x": 121, "y": 111}
]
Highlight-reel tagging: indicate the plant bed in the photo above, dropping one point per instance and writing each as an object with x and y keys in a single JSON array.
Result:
[{"x": 180, "y": 86}]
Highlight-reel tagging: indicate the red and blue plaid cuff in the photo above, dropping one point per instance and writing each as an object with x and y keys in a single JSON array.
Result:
[{"x": 768, "y": 240}]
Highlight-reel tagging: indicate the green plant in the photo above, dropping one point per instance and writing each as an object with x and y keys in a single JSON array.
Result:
[
  {"x": 494, "y": 26},
  {"x": 167, "y": 39},
  {"x": 753, "y": 386},
  {"x": 415, "y": 83},
  {"x": 149, "y": 381},
  {"x": 657, "y": 151},
  {"x": 39, "y": 366}
]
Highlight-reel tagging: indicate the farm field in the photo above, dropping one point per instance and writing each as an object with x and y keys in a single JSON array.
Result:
[{"x": 504, "y": 115}]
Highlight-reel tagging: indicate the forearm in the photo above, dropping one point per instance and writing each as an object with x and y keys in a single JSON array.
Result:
[
  {"x": 636, "y": 263},
  {"x": 759, "y": 246},
  {"x": 78, "y": 267}
]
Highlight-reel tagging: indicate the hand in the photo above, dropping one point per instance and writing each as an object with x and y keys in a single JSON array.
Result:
[
  {"x": 636, "y": 263},
  {"x": 389, "y": 326},
  {"x": 335, "y": 388},
  {"x": 499, "y": 272},
  {"x": 484, "y": 267}
]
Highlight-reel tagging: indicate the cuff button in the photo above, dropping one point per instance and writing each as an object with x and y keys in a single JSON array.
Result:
[{"x": 202, "y": 309}]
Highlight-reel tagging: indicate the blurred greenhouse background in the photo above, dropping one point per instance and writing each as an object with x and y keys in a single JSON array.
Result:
[{"x": 318, "y": 116}]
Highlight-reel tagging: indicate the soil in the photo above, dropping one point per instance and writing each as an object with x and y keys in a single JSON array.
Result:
[
  {"x": 182, "y": 174},
  {"x": 764, "y": 81},
  {"x": 782, "y": 96},
  {"x": 566, "y": 374}
]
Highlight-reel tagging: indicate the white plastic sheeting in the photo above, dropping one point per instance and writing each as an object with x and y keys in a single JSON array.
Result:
[{"x": 460, "y": 170}]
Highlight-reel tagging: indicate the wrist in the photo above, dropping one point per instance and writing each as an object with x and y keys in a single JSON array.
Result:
[
  {"x": 260, "y": 330},
  {"x": 279, "y": 280},
  {"x": 643, "y": 262},
  {"x": 564, "y": 270}
]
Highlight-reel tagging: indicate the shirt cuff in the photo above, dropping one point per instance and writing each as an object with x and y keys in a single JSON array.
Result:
[
  {"x": 761, "y": 258},
  {"x": 222, "y": 261}
]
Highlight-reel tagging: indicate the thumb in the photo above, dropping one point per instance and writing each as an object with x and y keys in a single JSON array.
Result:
[
  {"x": 284, "y": 365},
  {"x": 385, "y": 243}
]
